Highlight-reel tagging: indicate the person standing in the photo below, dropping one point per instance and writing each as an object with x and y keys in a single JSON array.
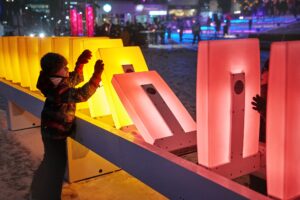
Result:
[
  {"x": 250, "y": 24},
  {"x": 181, "y": 28},
  {"x": 196, "y": 28},
  {"x": 57, "y": 84},
  {"x": 1, "y": 29},
  {"x": 259, "y": 102}
]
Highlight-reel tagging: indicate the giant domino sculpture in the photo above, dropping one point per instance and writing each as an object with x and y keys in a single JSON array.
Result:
[
  {"x": 143, "y": 126},
  {"x": 283, "y": 110},
  {"x": 228, "y": 135}
]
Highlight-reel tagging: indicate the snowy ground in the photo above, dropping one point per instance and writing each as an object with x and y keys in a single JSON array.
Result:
[{"x": 16, "y": 165}]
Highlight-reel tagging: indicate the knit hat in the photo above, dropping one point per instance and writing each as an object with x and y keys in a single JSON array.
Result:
[{"x": 52, "y": 63}]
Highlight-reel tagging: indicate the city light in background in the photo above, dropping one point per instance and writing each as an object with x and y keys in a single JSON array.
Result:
[
  {"x": 107, "y": 8},
  {"x": 53, "y": 18}
]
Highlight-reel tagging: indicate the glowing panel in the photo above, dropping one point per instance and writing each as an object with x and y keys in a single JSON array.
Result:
[
  {"x": 14, "y": 59},
  {"x": 45, "y": 46},
  {"x": 73, "y": 22},
  {"x": 61, "y": 45},
  {"x": 66, "y": 47},
  {"x": 34, "y": 60},
  {"x": 217, "y": 60},
  {"x": 89, "y": 16},
  {"x": 113, "y": 59},
  {"x": 79, "y": 24},
  {"x": 2, "y": 65},
  {"x": 36, "y": 48},
  {"x": 144, "y": 110},
  {"x": 78, "y": 45},
  {"x": 23, "y": 59},
  {"x": 98, "y": 104},
  {"x": 7, "y": 60},
  {"x": 283, "y": 114}
]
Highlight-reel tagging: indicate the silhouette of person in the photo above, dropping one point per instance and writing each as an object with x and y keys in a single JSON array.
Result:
[{"x": 259, "y": 102}]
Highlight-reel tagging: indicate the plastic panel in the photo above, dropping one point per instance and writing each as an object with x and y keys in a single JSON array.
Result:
[
  {"x": 283, "y": 113},
  {"x": 217, "y": 60},
  {"x": 98, "y": 104},
  {"x": 144, "y": 112},
  {"x": 61, "y": 45},
  {"x": 2, "y": 64},
  {"x": 73, "y": 22},
  {"x": 113, "y": 59},
  {"x": 89, "y": 16},
  {"x": 80, "y": 24},
  {"x": 14, "y": 60},
  {"x": 7, "y": 60},
  {"x": 34, "y": 60},
  {"x": 23, "y": 59},
  {"x": 45, "y": 45}
]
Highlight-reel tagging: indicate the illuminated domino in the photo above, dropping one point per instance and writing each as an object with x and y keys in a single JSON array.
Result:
[
  {"x": 7, "y": 60},
  {"x": 114, "y": 60},
  {"x": 23, "y": 59},
  {"x": 33, "y": 53},
  {"x": 61, "y": 45},
  {"x": 98, "y": 104},
  {"x": 2, "y": 68},
  {"x": 14, "y": 58},
  {"x": 45, "y": 45},
  {"x": 226, "y": 122},
  {"x": 157, "y": 113},
  {"x": 283, "y": 114}
]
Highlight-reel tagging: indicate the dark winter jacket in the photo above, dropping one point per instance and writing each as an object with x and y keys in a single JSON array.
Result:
[{"x": 58, "y": 114}]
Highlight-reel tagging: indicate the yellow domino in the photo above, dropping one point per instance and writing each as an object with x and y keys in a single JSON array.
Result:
[
  {"x": 97, "y": 104},
  {"x": 115, "y": 61},
  {"x": 45, "y": 46},
  {"x": 23, "y": 60},
  {"x": 7, "y": 62},
  {"x": 14, "y": 58},
  {"x": 61, "y": 45},
  {"x": 79, "y": 44},
  {"x": 34, "y": 61},
  {"x": 2, "y": 65}
]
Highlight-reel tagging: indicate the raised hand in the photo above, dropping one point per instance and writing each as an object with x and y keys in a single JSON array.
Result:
[
  {"x": 84, "y": 57},
  {"x": 99, "y": 67},
  {"x": 259, "y": 104}
]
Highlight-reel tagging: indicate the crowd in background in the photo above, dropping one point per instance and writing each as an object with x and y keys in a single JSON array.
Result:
[
  {"x": 133, "y": 33},
  {"x": 160, "y": 31},
  {"x": 271, "y": 8}
]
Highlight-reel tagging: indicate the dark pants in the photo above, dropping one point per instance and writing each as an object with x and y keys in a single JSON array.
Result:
[
  {"x": 196, "y": 37},
  {"x": 180, "y": 36},
  {"x": 48, "y": 178}
]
